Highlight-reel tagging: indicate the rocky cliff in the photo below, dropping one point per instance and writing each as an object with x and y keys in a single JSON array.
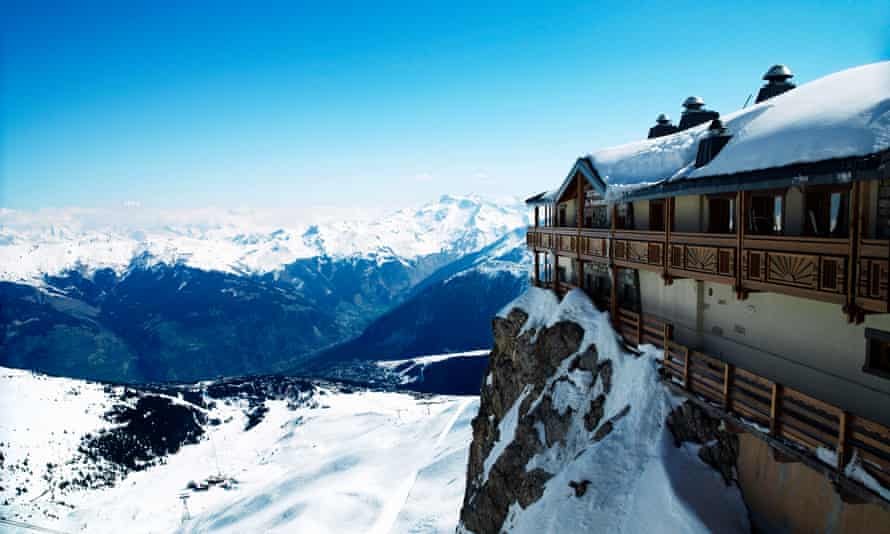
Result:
[{"x": 572, "y": 434}]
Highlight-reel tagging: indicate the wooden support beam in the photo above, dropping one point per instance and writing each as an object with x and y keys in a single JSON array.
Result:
[
  {"x": 843, "y": 448},
  {"x": 774, "y": 409},
  {"x": 854, "y": 234},
  {"x": 556, "y": 279},
  {"x": 613, "y": 295},
  {"x": 666, "y": 249},
  {"x": 727, "y": 387},
  {"x": 537, "y": 266},
  {"x": 741, "y": 207},
  {"x": 667, "y": 334},
  {"x": 686, "y": 383}
]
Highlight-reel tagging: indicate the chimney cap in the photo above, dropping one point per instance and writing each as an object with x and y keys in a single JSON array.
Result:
[
  {"x": 663, "y": 119},
  {"x": 694, "y": 102},
  {"x": 778, "y": 73}
]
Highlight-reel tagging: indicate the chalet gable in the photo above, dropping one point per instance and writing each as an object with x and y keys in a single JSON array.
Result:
[{"x": 582, "y": 169}]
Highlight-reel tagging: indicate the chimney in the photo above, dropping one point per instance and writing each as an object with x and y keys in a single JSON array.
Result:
[
  {"x": 776, "y": 83},
  {"x": 662, "y": 127},
  {"x": 711, "y": 143},
  {"x": 694, "y": 113}
]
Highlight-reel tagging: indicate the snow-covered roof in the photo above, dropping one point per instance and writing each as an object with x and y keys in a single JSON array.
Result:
[
  {"x": 842, "y": 115},
  {"x": 542, "y": 198}
]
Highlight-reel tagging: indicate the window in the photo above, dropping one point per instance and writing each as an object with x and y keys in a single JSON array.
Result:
[
  {"x": 877, "y": 352},
  {"x": 656, "y": 215},
  {"x": 596, "y": 216},
  {"x": 562, "y": 215},
  {"x": 597, "y": 282},
  {"x": 625, "y": 216},
  {"x": 827, "y": 213},
  {"x": 765, "y": 215},
  {"x": 721, "y": 215}
]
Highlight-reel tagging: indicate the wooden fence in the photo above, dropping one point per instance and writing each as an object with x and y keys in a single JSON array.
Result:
[{"x": 782, "y": 412}]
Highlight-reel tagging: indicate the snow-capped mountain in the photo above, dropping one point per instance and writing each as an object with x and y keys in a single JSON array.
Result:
[
  {"x": 184, "y": 298},
  {"x": 264, "y": 454},
  {"x": 51, "y": 242}
]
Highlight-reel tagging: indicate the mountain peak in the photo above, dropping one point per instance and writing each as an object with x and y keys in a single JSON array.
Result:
[{"x": 34, "y": 244}]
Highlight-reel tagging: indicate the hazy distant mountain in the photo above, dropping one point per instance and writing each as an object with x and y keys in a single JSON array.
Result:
[
  {"x": 163, "y": 301},
  {"x": 34, "y": 244}
]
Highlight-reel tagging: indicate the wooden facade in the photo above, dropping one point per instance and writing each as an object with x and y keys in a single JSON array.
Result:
[
  {"x": 853, "y": 271},
  {"x": 848, "y": 269}
]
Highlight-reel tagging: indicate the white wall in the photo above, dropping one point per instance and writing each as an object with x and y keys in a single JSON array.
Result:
[
  {"x": 687, "y": 214},
  {"x": 805, "y": 344},
  {"x": 571, "y": 212},
  {"x": 641, "y": 215}
]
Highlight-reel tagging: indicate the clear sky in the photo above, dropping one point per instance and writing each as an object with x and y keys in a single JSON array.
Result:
[{"x": 260, "y": 104}]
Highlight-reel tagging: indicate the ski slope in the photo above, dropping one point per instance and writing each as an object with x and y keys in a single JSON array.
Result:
[{"x": 360, "y": 461}]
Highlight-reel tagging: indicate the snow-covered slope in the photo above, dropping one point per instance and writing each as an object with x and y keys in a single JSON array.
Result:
[
  {"x": 322, "y": 458},
  {"x": 51, "y": 241}
]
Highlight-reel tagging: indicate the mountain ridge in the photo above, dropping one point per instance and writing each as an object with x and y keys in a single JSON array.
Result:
[{"x": 154, "y": 319}]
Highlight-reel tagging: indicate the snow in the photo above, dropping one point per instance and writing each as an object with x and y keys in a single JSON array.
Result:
[
  {"x": 506, "y": 433},
  {"x": 35, "y": 243},
  {"x": 41, "y": 421},
  {"x": 827, "y": 456},
  {"x": 843, "y": 114},
  {"x": 840, "y": 115},
  {"x": 647, "y": 162},
  {"x": 540, "y": 305},
  {"x": 639, "y": 482},
  {"x": 433, "y": 358},
  {"x": 422, "y": 362},
  {"x": 856, "y": 471},
  {"x": 360, "y": 462}
]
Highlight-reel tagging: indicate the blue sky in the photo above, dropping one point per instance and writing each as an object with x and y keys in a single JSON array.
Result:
[{"x": 371, "y": 104}]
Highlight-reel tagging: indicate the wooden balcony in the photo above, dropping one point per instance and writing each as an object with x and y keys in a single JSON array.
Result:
[
  {"x": 784, "y": 415},
  {"x": 809, "y": 267}
]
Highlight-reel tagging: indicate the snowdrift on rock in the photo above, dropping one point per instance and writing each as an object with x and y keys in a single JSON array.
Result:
[{"x": 582, "y": 446}]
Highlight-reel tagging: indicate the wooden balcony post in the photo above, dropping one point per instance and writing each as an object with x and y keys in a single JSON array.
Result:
[
  {"x": 666, "y": 250},
  {"x": 556, "y": 279},
  {"x": 536, "y": 216},
  {"x": 855, "y": 227},
  {"x": 666, "y": 333},
  {"x": 613, "y": 295},
  {"x": 537, "y": 266},
  {"x": 775, "y": 409},
  {"x": 740, "y": 240},
  {"x": 843, "y": 449},
  {"x": 580, "y": 200},
  {"x": 727, "y": 387},
  {"x": 686, "y": 383}
]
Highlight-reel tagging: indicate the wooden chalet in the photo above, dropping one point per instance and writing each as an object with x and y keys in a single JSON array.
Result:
[{"x": 754, "y": 249}]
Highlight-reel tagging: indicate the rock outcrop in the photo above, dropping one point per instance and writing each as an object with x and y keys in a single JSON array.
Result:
[
  {"x": 572, "y": 434},
  {"x": 523, "y": 369},
  {"x": 719, "y": 447}
]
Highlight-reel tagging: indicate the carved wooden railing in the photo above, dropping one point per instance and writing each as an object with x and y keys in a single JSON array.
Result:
[
  {"x": 594, "y": 243},
  {"x": 871, "y": 284},
  {"x": 809, "y": 267},
  {"x": 784, "y": 413},
  {"x": 633, "y": 248},
  {"x": 702, "y": 256},
  {"x": 800, "y": 266}
]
